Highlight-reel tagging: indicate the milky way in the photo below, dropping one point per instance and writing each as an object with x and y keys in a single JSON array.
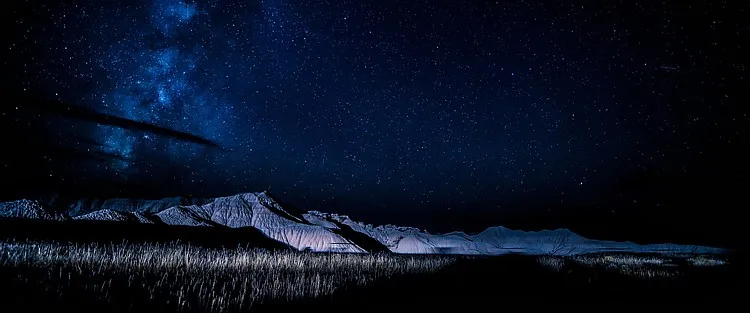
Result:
[
  {"x": 399, "y": 106},
  {"x": 154, "y": 76}
]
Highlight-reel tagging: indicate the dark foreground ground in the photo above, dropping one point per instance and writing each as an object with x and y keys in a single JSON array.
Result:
[
  {"x": 505, "y": 282},
  {"x": 217, "y": 277},
  {"x": 476, "y": 284}
]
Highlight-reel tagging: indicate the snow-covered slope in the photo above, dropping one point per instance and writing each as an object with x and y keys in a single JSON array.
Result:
[
  {"x": 260, "y": 211},
  {"x": 115, "y": 216},
  {"x": 30, "y": 209}
]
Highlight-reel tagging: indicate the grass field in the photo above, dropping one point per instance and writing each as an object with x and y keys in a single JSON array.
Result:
[
  {"x": 639, "y": 266},
  {"x": 191, "y": 278},
  {"x": 178, "y": 277}
]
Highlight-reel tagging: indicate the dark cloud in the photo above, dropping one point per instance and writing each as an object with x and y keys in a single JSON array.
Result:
[{"x": 89, "y": 115}]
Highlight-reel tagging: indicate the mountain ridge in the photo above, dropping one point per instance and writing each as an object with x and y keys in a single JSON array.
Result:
[{"x": 327, "y": 232}]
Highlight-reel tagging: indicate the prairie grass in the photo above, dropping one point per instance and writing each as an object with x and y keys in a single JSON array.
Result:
[
  {"x": 703, "y": 260},
  {"x": 192, "y": 278},
  {"x": 551, "y": 262},
  {"x": 618, "y": 260},
  {"x": 641, "y": 266}
]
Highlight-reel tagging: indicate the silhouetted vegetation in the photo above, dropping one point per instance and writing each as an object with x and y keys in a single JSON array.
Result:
[
  {"x": 182, "y": 277},
  {"x": 178, "y": 277}
]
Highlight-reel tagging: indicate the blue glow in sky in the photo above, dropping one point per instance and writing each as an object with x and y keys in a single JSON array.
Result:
[
  {"x": 397, "y": 106},
  {"x": 167, "y": 15}
]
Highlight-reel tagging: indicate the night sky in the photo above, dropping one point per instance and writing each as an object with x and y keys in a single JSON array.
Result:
[{"x": 425, "y": 112}]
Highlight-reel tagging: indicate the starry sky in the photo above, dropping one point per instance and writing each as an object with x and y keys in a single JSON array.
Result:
[{"x": 436, "y": 109}]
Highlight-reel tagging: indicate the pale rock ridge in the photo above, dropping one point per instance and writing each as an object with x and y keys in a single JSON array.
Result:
[
  {"x": 183, "y": 216},
  {"x": 143, "y": 206},
  {"x": 495, "y": 240},
  {"x": 105, "y": 215},
  {"x": 260, "y": 211},
  {"x": 30, "y": 209},
  {"x": 325, "y": 232}
]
